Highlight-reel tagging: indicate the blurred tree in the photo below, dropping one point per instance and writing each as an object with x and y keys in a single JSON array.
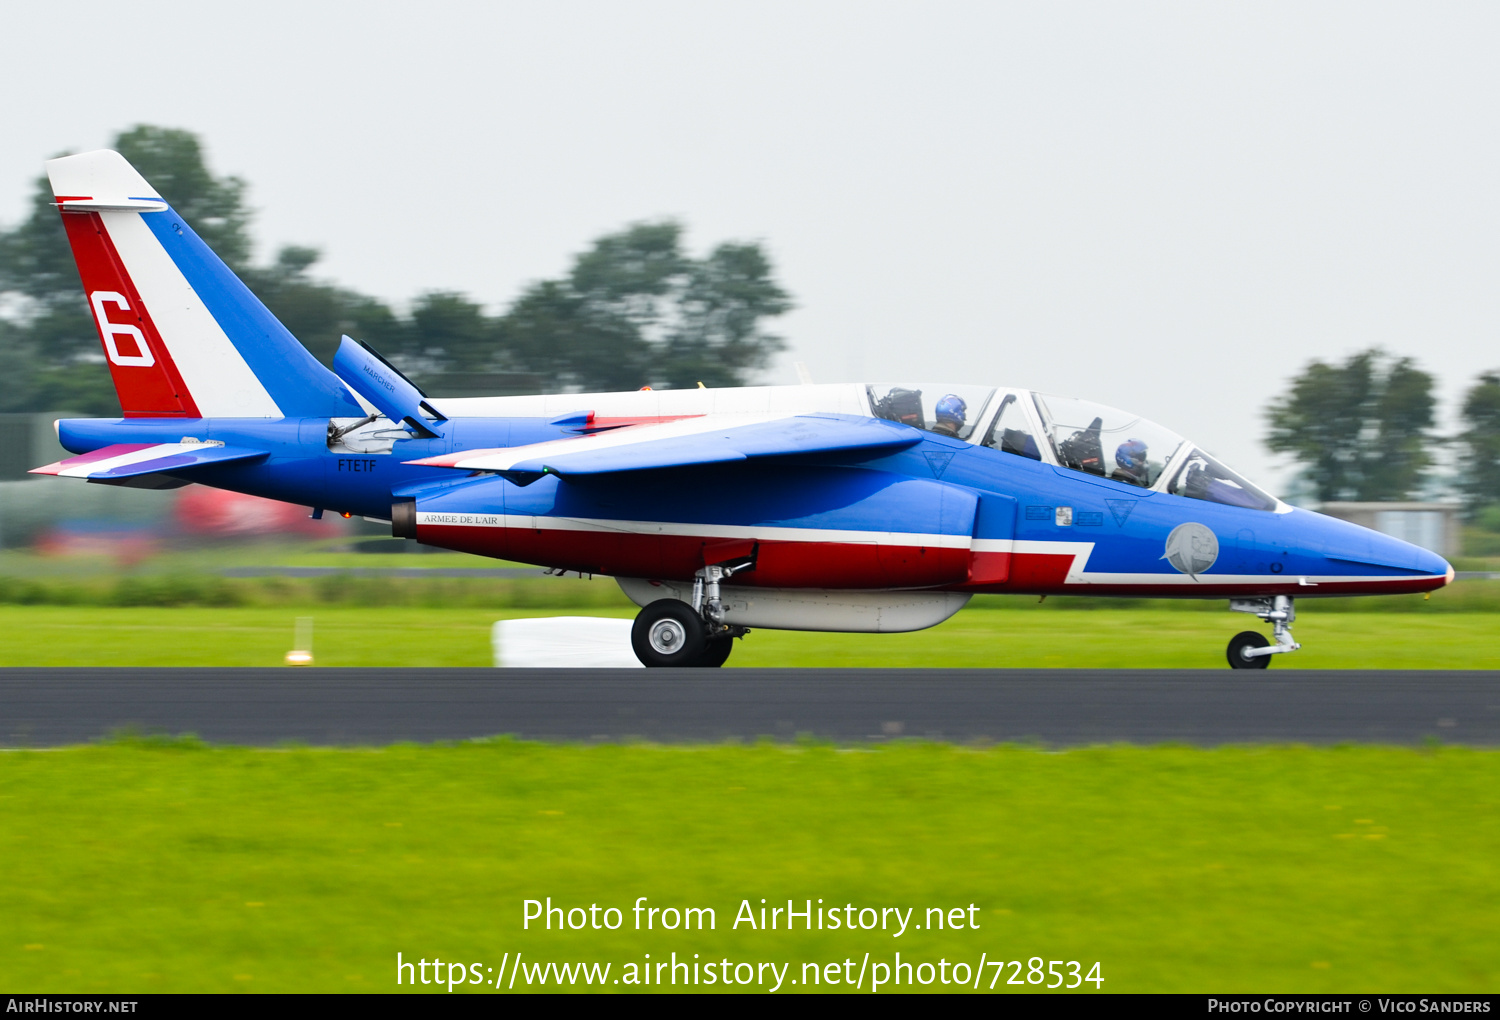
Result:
[
  {"x": 595, "y": 329},
  {"x": 546, "y": 311},
  {"x": 172, "y": 160},
  {"x": 317, "y": 312},
  {"x": 1362, "y": 430},
  {"x": 36, "y": 263},
  {"x": 51, "y": 343},
  {"x": 1479, "y": 473},
  {"x": 454, "y": 332},
  {"x": 49, "y": 337},
  {"x": 634, "y": 309},
  {"x": 719, "y": 337},
  {"x": 48, "y": 342}
]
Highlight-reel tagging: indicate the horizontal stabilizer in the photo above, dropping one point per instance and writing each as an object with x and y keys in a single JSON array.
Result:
[
  {"x": 101, "y": 181},
  {"x": 383, "y": 385},
  {"x": 708, "y": 439},
  {"x": 129, "y": 460}
]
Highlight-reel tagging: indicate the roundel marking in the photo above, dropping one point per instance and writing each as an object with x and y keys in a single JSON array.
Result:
[{"x": 1192, "y": 548}]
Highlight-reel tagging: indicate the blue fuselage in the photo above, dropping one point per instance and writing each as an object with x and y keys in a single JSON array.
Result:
[{"x": 943, "y": 513}]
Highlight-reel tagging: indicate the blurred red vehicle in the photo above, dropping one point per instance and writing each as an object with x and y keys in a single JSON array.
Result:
[{"x": 207, "y": 512}]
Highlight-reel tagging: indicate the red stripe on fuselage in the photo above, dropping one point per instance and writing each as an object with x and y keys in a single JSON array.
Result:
[
  {"x": 610, "y": 424},
  {"x": 778, "y": 563}
]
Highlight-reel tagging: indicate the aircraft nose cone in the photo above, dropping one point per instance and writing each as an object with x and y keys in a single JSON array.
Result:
[
  {"x": 1425, "y": 560},
  {"x": 1347, "y": 543}
]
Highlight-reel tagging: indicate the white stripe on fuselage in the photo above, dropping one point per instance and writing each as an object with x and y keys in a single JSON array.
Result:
[
  {"x": 217, "y": 377},
  {"x": 1081, "y": 551},
  {"x": 720, "y": 531}
]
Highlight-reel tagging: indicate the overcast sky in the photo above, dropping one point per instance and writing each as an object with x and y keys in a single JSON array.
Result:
[{"x": 1166, "y": 207}]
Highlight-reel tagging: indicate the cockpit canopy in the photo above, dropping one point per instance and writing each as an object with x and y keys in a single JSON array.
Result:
[
  {"x": 1071, "y": 433},
  {"x": 948, "y": 410},
  {"x": 1103, "y": 441}
]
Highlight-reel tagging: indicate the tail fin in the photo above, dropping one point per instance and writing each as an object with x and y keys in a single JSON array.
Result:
[{"x": 183, "y": 336}]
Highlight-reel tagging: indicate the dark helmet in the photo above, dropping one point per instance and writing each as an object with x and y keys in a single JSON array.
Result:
[
  {"x": 1131, "y": 455},
  {"x": 902, "y": 405},
  {"x": 952, "y": 409}
]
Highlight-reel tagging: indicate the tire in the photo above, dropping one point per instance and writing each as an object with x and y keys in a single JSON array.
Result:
[
  {"x": 667, "y": 633},
  {"x": 715, "y": 652},
  {"x": 1240, "y": 642}
]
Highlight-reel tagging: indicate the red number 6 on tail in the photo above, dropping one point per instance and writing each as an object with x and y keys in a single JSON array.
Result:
[{"x": 109, "y": 330}]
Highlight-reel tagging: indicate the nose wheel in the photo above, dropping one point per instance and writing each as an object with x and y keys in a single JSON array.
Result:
[{"x": 1243, "y": 642}]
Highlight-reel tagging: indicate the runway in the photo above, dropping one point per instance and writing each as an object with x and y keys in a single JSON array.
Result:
[{"x": 1056, "y": 708}]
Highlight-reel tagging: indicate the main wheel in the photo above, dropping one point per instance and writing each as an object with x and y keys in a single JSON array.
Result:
[
  {"x": 1242, "y": 641},
  {"x": 715, "y": 652},
  {"x": 668, "y": 633}
]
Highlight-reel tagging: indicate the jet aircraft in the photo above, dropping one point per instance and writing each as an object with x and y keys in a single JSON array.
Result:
[{"x": 858, "y": 507}]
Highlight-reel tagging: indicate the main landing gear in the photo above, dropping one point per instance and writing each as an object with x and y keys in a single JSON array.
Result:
[
  {"x": 1249, "y": 649},
  {"x": 672, "y": 633}
]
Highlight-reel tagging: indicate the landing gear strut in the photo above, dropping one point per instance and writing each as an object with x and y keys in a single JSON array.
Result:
[
  {"x": 672, "y": 633},
  {"x": 1249, "y": 649}
]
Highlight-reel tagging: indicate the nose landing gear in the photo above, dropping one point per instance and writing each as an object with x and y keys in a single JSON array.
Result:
[
  {"x": 1249, "y": 649},
  {"x": 669, "y": 633}
]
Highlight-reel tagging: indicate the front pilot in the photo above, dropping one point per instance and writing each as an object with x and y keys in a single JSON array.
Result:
[
  {"x": 1130, "y": 463},
  {"x": 950, "y": 413}
]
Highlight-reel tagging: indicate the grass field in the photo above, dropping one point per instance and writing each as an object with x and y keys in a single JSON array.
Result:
[
  {"x": 162, "y": 865},
  {"x": 171, "y": 867},
  {"x": 351, "y": 635}
]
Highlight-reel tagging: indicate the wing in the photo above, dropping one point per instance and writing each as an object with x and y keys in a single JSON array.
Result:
[
  {"x": 708, "y": 439},
  {"x": 130, "y": 460}
]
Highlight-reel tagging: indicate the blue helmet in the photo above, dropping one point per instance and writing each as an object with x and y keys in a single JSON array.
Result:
[
  {"x": 1131, "y": 455},
  {"x": 952, "y": 408}
]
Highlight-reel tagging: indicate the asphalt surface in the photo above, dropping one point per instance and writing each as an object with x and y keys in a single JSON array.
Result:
[
  {"x": 53, "y": 707},
  {"x": 382, "y": 572}
]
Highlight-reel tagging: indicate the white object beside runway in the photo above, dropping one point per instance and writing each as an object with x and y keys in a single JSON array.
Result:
[{"x": 571, "y": 642}]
